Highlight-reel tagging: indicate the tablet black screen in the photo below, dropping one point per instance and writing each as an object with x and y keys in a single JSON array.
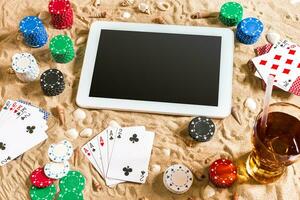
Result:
[{"x": 162, "y": 67}]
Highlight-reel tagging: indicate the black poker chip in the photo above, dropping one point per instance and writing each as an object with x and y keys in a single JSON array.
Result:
[
  {"x": 201, "y": 129},
  {"x": 52, "y": 82}
]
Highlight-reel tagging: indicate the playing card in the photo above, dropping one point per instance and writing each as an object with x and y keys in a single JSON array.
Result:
[
  {"x": 87, "y": 152},
  {"x": 131, "y": 156},
  {"x": 285, "y": 44}
]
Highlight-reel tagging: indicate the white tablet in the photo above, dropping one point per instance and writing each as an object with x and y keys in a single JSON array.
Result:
[{"x": 167, "y": 69}]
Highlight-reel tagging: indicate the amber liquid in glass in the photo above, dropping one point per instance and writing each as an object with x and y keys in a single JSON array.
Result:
[{"x": 274, "y": 148}]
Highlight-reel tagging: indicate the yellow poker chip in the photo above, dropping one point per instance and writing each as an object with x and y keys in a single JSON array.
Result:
[{"x": 178, "y": 179}]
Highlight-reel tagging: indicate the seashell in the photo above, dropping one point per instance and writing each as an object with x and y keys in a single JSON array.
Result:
[
  {"x": 101, "y": 15},
  {"x": 72, "y": 133},
  {"x": 10, "y": 71},
  {"x": 250, "y": 104},
  {"x": 80, "y": 40},
  {"x": 96, "y": 185},
  {"x": 114, "y": 124},
  {"x": 144, "y": 8},
  {"x": 155, "y": 168},
  {"x": 235, "y": 196},
  {"x": 159, "y": 20},
  {"x": 202, "y": 14},
  {"x": 97, "y": 2},
  {"x": 208, "y": 192},
  {"x": 272, "y": 37},
  {"x": 87, "y": 132},
  {"x": 126, "y": 15},
  {"x": 61, "y": 114},
  {"x": 79, "y": 114},
  {"x": 162, "y": 5},
  {"x": 44, "y": 15},
  {"x": 236, "y": 115},
  {"x": 167, "y": 152},
  {"x": 126, "y": 3}
]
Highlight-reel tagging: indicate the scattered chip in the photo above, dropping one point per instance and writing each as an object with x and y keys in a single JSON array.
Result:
[
  {"x": 74, "y": 181},
  {"x": 57, "y": 170},
  {"x": 47, "y": 193},
  {"x": 39, "y": 179},
  {"x": 70, "y": 195},
  {"x": 201, "y": 129},
  {"x": 222, "y": 173},
  {"x": 60, "y": 152},
  {"x": 178, "y": 179},
  {"x": 249, "y": 30}
]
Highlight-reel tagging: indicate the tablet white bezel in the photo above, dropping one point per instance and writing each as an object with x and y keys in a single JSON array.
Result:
[{"x": 225, "y": 82}]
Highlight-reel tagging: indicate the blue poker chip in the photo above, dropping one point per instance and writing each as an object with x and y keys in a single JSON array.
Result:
[
  {"x": 201, "y": 129},
  {"x": 249, "y": 30},
  {"x": 33, "y": 31}
]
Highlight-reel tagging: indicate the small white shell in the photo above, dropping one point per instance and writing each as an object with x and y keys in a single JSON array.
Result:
[
  {"x": 86, "y": 133},
  {"x": 163, "y": 6},
  {"x": 167, "y": 152},
  {"x": 144, "y": 8},
  {"x": 79, "y": 114},
  {"x": 80, "y": 40},
  {"x": 208, "y": 192},
  {"x": 114, "y": 124},
  {"x": 273, "y": 37},
  {"x": 155, "y": 168},
  {"x": 97, "y": 2},
  {"x": 250, "y": 104},
  {"x": 72, "y": 133},
  {"x": 126, "y": 15}
]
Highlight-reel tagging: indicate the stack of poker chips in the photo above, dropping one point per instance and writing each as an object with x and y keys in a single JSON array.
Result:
[
  {"x": 61, "y": 48},
  {"x": 52, "y": 82},
  {"x": 249, "y": 30},
  {"x": 231, "y": 13},
  {"x": 61, "y": 13},
  {"x": 25, "y": 67},
  {"x": 201, "y": 129},
  {"x": 33, "y": 31}
]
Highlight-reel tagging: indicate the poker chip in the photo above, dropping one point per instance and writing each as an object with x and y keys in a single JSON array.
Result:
[
  {"x": 201, "y": 129},
  {"x": 231, "y": 13},
  {"x": 222, "y": 173},
  {"x": 47, "y": 193},
  {"x": 178, "y": 179},
  {"x": 52, "y": 82},
  {"x": 61, "y": 13},
  {"x": 62, "y": 49},
  {"x": 39, "y": 179},
  {"x": 69, "y": 195},
  {"x": 57, "y": 170},
  {"x": 74, "y": 182},
  {"x": 249, "y": 30},
  {"x": 33, "y": 31},
  {"x": 25, "y": 67},
  {"x": 60, "y": 152}
]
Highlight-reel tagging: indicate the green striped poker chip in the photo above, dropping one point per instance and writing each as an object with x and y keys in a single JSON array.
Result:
[
  {"x": 47, "y": 193},
  {"x": 231, "y": 13},
  {"x": 70, "y": 195},
  {"x": 60, "y": 44},
  {"x": 74, "y": 182}
]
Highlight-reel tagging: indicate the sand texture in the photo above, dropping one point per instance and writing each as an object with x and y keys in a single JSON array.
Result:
[{"x": 232, "y": 140}]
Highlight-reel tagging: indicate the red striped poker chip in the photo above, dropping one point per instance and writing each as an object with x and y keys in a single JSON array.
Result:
[
  {"x": 222, "y": 173},
  {"x": 39, "y": 179},
  {"x": 61, "y": 13},
  {"x": 59, "y": 6}
]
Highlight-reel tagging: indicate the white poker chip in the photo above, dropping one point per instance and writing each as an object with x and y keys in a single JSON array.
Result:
[
  {"x": 57, "y": 170},
  {"x": 178, "y": 179},
  {"x": 60, "y": 152}
]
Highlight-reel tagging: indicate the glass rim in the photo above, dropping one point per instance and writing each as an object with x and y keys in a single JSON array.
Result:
[{"x": 255, "y": 128}]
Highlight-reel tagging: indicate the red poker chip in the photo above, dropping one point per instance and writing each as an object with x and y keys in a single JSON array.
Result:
[
  {"x": 59, "y": 6},
  {"x": 39, "y": 179},
  {"x": 61, "y": 13},
  {"x": 222, "y": 173}
]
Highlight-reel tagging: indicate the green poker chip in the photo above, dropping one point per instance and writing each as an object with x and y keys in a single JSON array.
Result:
[
  {"x": 62, "y": 49},
  {"x": 69, "y": 195},
  {"x": 74, "y": 182},
  {"x": 47, "y": 193},
  {"x": 231, "y": 13}
]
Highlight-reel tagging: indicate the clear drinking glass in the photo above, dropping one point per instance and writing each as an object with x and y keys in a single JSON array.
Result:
[{"x": 277, "y": 146}]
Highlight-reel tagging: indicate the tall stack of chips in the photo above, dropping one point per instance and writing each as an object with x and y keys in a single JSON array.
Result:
[
  {"x": 33, "y": 31},
  {"x": 61, "y": 48},
  {"x": 231, "y": 13},
  {"x": 52, "y": 82},
  {"x": 61, "y": 13},
  {"x": 249, "y": 30},
  {"x": 25, "y": 67}
]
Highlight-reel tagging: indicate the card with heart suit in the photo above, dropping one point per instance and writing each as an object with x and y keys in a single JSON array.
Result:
[
  {"x": 100, "y": 150},
  {"x": 284, "y": 65},
  {"x": 20, "y": 122}
]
